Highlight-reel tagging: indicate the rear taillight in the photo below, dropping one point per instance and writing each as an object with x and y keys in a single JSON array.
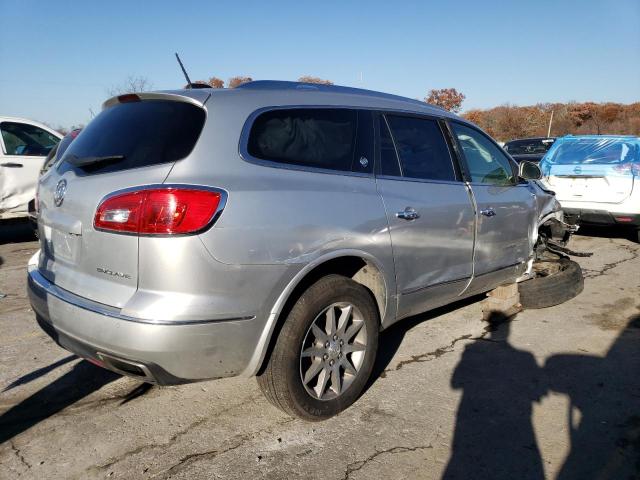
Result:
[
  {"x": 158, "y": 211},
  {"x": 629, "y": 168}
]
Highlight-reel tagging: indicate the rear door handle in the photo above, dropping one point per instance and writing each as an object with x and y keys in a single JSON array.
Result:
[
  {"x": 488, "y": 212},
  {"x": 408, "y": 214},
  {"x": 11, "y": 165}
]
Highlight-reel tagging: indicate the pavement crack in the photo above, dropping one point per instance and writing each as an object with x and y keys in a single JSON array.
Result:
[
  {"x": 208, "y": 454},
  {"x": 172, "y": 439},
  {"x": 589, "y": 273},
  {"x": 428, "y": 356},
  {"x": 358, "y": 465},
  {"x": 18, "y": 454}
]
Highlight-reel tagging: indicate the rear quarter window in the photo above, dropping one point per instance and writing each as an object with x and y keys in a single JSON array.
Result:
[
  {"x": 326, "y": 138},
  {"x": 143, "y": 133}
]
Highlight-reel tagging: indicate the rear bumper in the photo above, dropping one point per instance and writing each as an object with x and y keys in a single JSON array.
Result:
[
  {"x": 165, "y": 353},
  {"x": 601, "y": 217}
]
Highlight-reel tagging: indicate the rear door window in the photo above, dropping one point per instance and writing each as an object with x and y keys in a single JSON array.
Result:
[
  {"x": 327, "y": 138},
  {"x": 137, "y": 134},
  {"x": 422, "y": 148}
]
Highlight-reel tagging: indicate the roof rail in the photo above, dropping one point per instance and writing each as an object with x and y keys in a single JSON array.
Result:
[{"x": 287, "y": 85}]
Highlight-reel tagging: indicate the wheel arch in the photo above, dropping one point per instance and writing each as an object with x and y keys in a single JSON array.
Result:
[{"x": 357, "y": 265}]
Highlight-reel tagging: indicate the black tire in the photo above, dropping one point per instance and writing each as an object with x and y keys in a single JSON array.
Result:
[
  {"x": 281, "y": 380},
  {"x": 563, "y": 283}
]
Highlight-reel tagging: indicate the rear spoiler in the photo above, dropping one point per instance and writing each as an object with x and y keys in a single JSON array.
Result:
[{"x": 196, "y": 97}]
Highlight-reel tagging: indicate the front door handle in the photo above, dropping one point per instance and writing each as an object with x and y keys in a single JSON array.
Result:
[
  {"x": 488, "y": 212},
  {"x": 408, "y": 214},
  {"x": 11, "y": 165}
]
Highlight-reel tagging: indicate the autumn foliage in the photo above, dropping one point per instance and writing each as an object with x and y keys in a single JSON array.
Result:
[
  {"x": 310, "y": 79},
  {"x": 237, "y": 81},
  {"x": 507, "y": 122},
  {"x": 447, "y": 98}
]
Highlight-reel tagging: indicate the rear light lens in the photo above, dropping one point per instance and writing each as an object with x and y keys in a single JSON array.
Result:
[
  {"x": 128, "y": 98},
  {"x": 160, "y": 211},
  {"x": 629, "y": 168}
]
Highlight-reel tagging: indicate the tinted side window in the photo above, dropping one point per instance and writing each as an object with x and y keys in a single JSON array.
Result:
[
  {"x": 486, "y": 162},
  {"x": 25, "y": 139},
  {"x": 336, "y": 139},
  {"x": 422, "y": 148}
]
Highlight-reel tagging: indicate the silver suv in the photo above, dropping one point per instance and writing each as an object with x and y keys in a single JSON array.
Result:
[{"x": 272, "y": 230}]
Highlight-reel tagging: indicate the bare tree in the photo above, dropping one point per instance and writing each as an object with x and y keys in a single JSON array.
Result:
[
  {"x": 133, "y": 84},
  {"x": 310, "y": 79},
  {"x": 447, "y": 98},
  {"x": 237, "y": 81}
]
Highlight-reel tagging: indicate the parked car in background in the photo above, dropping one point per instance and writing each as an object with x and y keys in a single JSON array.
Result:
[
  {"x": 596, "y": 178},
  {"x": 529, "y": 149},
  {"x": 24, "y": 145},
  {"x": 54, "y": 156},
  {"x": 198, "y": 234}
]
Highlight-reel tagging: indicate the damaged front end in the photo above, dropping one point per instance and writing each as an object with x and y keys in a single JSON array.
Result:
[{"x": 552, "y": 232}]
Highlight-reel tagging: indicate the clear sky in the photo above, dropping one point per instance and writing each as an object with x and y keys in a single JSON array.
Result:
[{"x": 59, "y": 58}]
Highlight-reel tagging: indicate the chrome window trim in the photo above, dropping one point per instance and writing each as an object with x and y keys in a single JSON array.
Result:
[
  {"x": 39, "y": 282},
  {"x": 420, "y": 180},
  {"x": 243, "y": 142}
]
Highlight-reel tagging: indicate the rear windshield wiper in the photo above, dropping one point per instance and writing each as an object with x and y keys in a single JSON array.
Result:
[{"x": 85, "y": 161}]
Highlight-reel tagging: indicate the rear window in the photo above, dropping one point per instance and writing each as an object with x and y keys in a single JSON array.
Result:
[
  {"x": 529, "y": 147},
  {"x": 137, "y": 134},
  {"x": 335, "y": 139},
  {"x": 593, "y": 151}
]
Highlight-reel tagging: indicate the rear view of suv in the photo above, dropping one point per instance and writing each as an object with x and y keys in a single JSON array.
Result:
[
  {"x": 596, "y": 178},
  {"x": 272, "y": 230}
]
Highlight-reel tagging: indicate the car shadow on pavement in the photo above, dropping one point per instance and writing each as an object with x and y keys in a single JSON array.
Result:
[
  {"x": 494, "y": 436},
  {"x": 82, "y": 380},
  {"x": 16, "y": 231},
  {"x": 29, "y": 377}
]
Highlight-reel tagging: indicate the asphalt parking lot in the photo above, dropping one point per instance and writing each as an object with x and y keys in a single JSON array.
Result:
[{"x": 554, "y": 393}]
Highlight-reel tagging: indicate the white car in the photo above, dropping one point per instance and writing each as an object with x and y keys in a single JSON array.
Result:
[
  {"x": 596, "y": 178},
  {"x": 24, "y": 145}
]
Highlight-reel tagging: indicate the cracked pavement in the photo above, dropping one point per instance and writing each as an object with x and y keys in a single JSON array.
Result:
[{"x": 443, "y": 398}]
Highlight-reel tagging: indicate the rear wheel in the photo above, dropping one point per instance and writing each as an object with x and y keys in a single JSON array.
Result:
[
  {"x": 555, "y": 282},
  {"x": 325, "y": 352}
]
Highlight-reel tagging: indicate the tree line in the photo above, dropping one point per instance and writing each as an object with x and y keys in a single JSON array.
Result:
[
  {"x": 507, "y": 122},
  {"x": 503, "y": 123}
]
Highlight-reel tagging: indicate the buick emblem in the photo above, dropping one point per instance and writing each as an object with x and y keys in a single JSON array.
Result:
[
  {"x": 577, "y": 170},
  {"x": 61, "y": 189}
]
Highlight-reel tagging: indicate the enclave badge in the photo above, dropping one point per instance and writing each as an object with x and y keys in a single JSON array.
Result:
[{"x": 58, "y": 195}]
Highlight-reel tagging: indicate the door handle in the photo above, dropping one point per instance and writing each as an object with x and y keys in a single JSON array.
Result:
[
  {"x": 488, "y": 212},
  {"x": 408, "y": 214},
  {"x": 11, "y": 165}
]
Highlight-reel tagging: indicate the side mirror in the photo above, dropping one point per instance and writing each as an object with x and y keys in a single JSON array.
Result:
[{"x": 529, "y": 171}]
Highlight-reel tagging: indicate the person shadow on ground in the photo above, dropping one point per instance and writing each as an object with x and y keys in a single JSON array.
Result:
[
  {"x": 603, "y": 415},
  {"x": 494, "y": 436}
]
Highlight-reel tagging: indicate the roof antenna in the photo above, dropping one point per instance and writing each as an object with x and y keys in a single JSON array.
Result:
[{"x": 186, "y": 76}]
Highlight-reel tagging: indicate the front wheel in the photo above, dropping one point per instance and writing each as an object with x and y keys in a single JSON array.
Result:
[
  {"x": 325, "y": 351},
  {"x": 554, "y": 282}
]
